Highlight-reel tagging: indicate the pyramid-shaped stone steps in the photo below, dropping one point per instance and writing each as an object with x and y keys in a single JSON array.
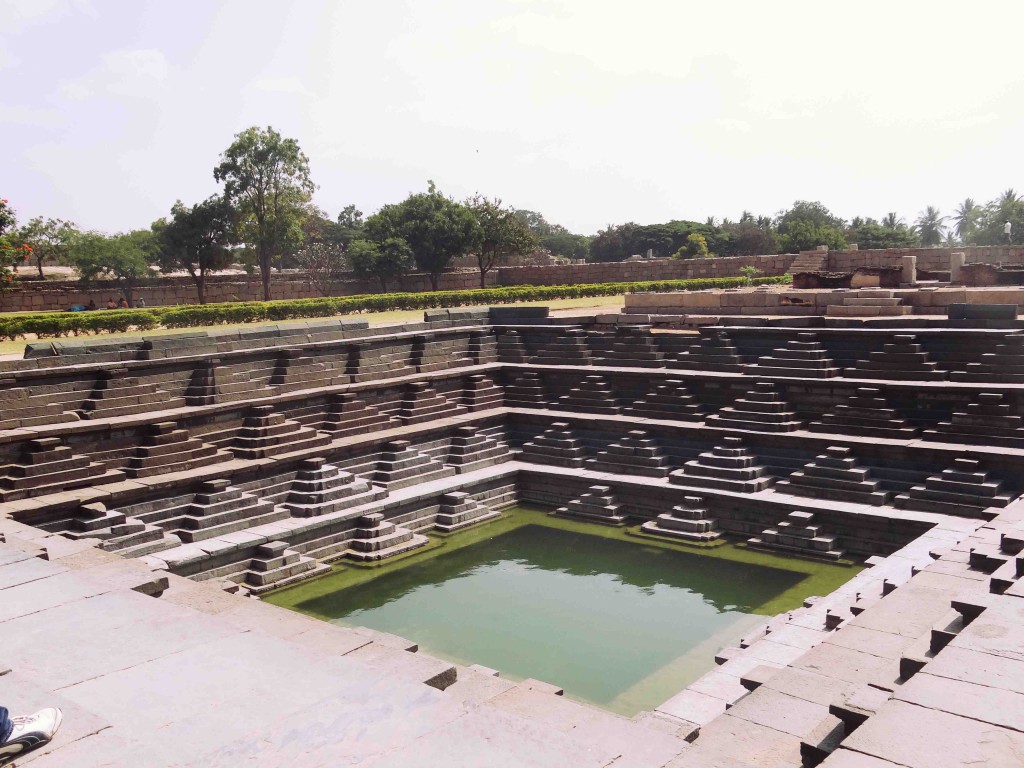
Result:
[
  {"x": 45, "y": 466},
  {"x": 568, "y": 347},
  {"x": 902, "y": 360},
  {"x": 798, "y": 534},
  {"x": 730, "y": 467},
  {"x": 275, "y": 565},
  {"x": 297, "y": 370},
  {"x": 556, "y": 447},
  {"x": 481, "y": 393},
  {"x": 470, "y": 450},
  {"x": 526, "y": 391},
  {"x": 422, "y": 403},
  {"x": 511, "y": 348},
  {"x": 23, "y": 407},
  {"x": 265, "y": 433},
  {"x": 635, "y": 454},
  {"x": 632, "y": 347},
  {"x": 166, "y": 448},
  {"x": 376, "y": 539},
  {"x": 202, "y": 385},
  {"x": 218, "y": 508},
  {"x": 803, "y": 357},
  {"x": 348, "y": 415},
  {"x": 762, "y": 410},
  {"x": 133, "y": 538},
  {"x": 483, "y": 347},
  {"x": 401, "y": 465},
  {"x": 670, "y": 400},
  {"x": 593, "y": 395},
  {"x": 597, "y": 505},
  {"x": 460, "y": 510},
  {"x": 964, "y": 490},
  {"x": 869, "y": 303},
  {"x": 116, "y": 395},
  {"x": 865, "y": 414},
  {"x": 436, "y": 354},
  {"x": 989, "y": 421},
  {"x": 688, "y": 521},
  {"x": 1004, "y": 365},
  {"x": 713, "y": 352},
  {"x": 321, "y": 488},
  {"x": 835, "y": 475}
]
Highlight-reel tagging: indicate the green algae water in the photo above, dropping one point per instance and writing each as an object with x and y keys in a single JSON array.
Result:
[{"x": 617, "y": 621}]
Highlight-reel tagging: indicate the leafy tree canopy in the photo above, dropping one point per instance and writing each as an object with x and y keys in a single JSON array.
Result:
[
  {"x": 196, "y": 240},
  {"x": 382, "y": 261},
  {"x": 124, "y": 258},
  {"x": 502, "y": 234}
]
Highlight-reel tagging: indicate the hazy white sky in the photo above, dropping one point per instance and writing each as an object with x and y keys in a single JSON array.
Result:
[{"x": 591, "y": 112}]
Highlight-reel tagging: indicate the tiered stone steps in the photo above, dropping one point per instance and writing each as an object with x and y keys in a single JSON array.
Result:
[
  {"x": 130, "y": 537},
  {"x": 321, "y": 488},
  {"x": 275, "y": 565},
  {"x": 483, "y": 347},
  {"x": 348, "y": 415},
  {"x": 202, "y": 385},
  {"x": 556, "y": 447},
  {"x": 166, "y": 448},
  {"x": 688, "y": 521},
  {"x": 241, "y": 380},
  {"x": 633, "y": 347},
  {"x": 635, "y": 454},
  {"x": 45, "y": 466},
  {"x": 865, "y": 414},
  {"x": 803, "y": 357},
  {"x": 669, "y": 400},
  {"x": 592, "y": 395},
  {"x": 597, "y": 505},
  {"x": 421, "y": 403},
  {"x": 1005, "y": 365},
  {"x": 986, "y": 422},
  {"x": 511, "y": 348},
  {"x": 869, "y": 303},
  {"x": 21, "y": 407},
  {"x": 526, "y": 391},
  {"x": 835, "y": 475},
  {"x": 481, "y": 393},
  {"x": 810, "y": 261},
  {"x": 265, "y": 433},
  {"x": 964, "y": 490},
  {"x": 902, "y": 360},
  {"x": 471, "y": 449},
  {"x": 380, "y": 360},
  {"x": 799, "y": 535},
  {"x": 460, "y": 510},
  {"x": 217, "y": 509},
  {"x": 377, "y": 539},
  {"x": 730, "y": 467},
  {"x": 118, "y": 395},
  {"x": 713, "y": 352},
  {"x": 569, "y": 347},
  {"x": 401, "y": 465},
  {"x": 296, "y": 370},
  {"x": 436, "y": 354},
  {"x": 762, "y": 410}
]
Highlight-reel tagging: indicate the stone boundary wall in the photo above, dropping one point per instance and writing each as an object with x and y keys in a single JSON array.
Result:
[{"x": 928, "y": 259}]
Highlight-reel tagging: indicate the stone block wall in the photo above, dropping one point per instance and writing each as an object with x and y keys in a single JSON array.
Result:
[{"x": 928, "y": 259}]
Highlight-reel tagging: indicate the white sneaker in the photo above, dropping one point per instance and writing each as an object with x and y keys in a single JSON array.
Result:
[{"x": 31, "y": 731}]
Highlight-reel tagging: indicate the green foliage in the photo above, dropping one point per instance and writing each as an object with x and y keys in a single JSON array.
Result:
[
  {"x": 807, "y": 225},
  {"x": 870, "y": 234},
  {"x": 266, "y": 178},
  {"x": 696, "y": 247},
  {"x": 931, "y": 226},
  {"x": 749, "y": 272},
  {"x": 47, "y": 239},
  {"x": 196, "y": 240},
  {"x": 436, "y": 228},
  {"x": 502, "y": 234},
  {"x": 124, "y": 258},
  {"x": 323, "y": 264},
  {"x": 64, "y": 323},
  {"x": 384, "y": 261}
]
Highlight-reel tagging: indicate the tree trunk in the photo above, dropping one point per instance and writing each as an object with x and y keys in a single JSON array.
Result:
[
  {"x": 434, "y": 279},
  {"x": 483, "y": 277},
  {"x": 265, "y": 267},
  {"x": 383, "y": 284},
  {"x": 201, "y": 287},
  {"x": 128, "y": 294},
  {"x": 39, "y": 263}
]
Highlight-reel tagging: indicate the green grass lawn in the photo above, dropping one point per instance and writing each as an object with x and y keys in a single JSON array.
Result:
[{"x": 602, "y": 303}]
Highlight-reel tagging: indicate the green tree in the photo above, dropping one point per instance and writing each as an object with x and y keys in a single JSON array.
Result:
[
  {"x": 382, "y": 261},
  {"x": 196, "y": 240},
  {"x": 930, "y": 226},
  {"x": 993, "y": 219},
  {"x": 324, "y": 264},
  {"x": 502, "y": 234},
  {"x": 435, "y": 227},
  {"x": 807, "y": 225},
  {"x": 965, "y": 220},
  {"x": 12, "y": 251},
  {"x": 696, "y": 248},
  {"x": 266, "y": 177},
  {"x": 868, "y": 233},
  {"x": 123, "y": 258},
  {"x": 48, "y": 239}
]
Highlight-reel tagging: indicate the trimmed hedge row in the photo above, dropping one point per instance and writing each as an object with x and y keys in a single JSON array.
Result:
[{"x": 53, "y": 324}]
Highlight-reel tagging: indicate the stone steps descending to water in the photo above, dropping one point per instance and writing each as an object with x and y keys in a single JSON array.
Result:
[
  {"x": 964, "y": 490},
  {"x": 422, "y": 403},
  {"x": 348, "y": 415},
  {"x": 471, "y": 449},
  {"x": 321, "y": 488},
  {"x": 688, "y": 521},
  {"x": 593, "y": 395},
  {"x": 377, "y": 539},
  {"x": 460, "y": 510},
  {"x": 400, "y": 465},
  {"x": 670, "y": 400},
  {"x": 989, "y": 421},
  {"x": 526, "y": 391},
  {"x": 597, "y": 505},
  {"x": 632, "y": 347},
  {"x": 763, "y": 409},
  {"x": 46, "y": 465},
  {"x": 865, "y": 414},
  {"x": 635, "y": 454},
  {"x": 568, "y": 347},
  {"x": 903, "y": 359},
  {"x": 557, "y": 446},
  {"x": 798, "y": 534},
  {"x": 803, "y": 357},
  {"x": 713, "y": 352},
  {"x": 481, "y": 393},
  {"x": 730, "y": 466},
  {"x": 835, "y": 475},
  {"x": 265, "y": 433}
]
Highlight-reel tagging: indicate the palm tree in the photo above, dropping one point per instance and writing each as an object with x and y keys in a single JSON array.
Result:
[
  {"x": 965, "y": 217},
  {"x": 711, "y": 222},
  {"x": 746, "y": 217},
  {"x": 931, "y": 226},
  {"x": 1008, "y": 197},
  {"x": 892, "y": 221}
]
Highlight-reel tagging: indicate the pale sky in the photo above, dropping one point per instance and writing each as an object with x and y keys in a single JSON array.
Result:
[{"x": 591, "y": 112}]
